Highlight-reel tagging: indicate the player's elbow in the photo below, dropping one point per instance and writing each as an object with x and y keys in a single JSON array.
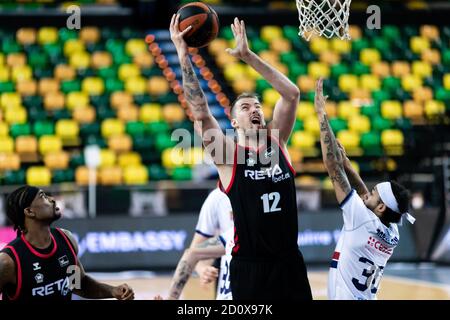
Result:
[{"x": 294, "y": 94}]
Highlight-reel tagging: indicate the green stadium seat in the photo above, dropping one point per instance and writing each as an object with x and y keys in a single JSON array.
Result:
[
  {"x": 41, "y": 128},
  {"x": 16, "y": 177},
  {"x": 371, "y": 143},
  {"x": 379, "y": 123},
  {"x": 20, "y": 130},
  {"x": 135, "y": 128},
  {"x": 181, "y": 173},
  {"x": 338, "y": 124},
  {"x": 157, "y": 172}
]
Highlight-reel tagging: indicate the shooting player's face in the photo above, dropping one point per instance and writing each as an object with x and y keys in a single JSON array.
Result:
[{"x": 247, "y": 114}]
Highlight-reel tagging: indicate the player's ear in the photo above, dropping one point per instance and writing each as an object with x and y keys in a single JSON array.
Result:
[
  {"x": 234, "y": 123},
  {"x": 381, "y": 207},
  {"x": 29, "y": 213}
]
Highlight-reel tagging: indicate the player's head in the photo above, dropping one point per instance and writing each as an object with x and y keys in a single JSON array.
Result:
[
  {"x": 388, "y": 200},
  {"x": 31, "y": 203},
  {"x": 246, "y": 112}
]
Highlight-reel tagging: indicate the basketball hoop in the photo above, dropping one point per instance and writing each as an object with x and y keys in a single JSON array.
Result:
[{"x": 323, "y": 18}]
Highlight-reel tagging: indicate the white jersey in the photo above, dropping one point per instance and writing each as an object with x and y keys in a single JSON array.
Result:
[
  {"x": 223, "y": 286},
  {"x": 216, "y": 215},
  {"x": 363, "y": 249}
]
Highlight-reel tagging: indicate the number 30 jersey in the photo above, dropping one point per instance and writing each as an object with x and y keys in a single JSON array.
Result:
[
  {"x": 363, "y": 249},
  {"x": 263, "y": 198}
]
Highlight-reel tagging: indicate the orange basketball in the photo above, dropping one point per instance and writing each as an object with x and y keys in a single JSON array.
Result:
[{"x": 204, "y": 22}]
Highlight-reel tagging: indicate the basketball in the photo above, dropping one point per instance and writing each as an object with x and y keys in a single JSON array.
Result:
[{"x": 204, "y": 22}]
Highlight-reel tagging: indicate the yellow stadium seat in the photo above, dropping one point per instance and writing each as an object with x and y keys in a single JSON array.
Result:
[
  {"x": 4, "y": 129},
  {"x": 64, "y": 72},
  {"x": 360, "y": 96},
  {"x": 303, "y": 140},
  {"x": 77, "y": 99},
  {"x": 305, "y": 109},
  {"x": 128, "y": 113},
  {"x": 136, "y": 85},
  {"x": 48, "y": 85},
  {"x": 350, "y": 141},
  {"x": 224, "y": 58},
  {"x": 54, "y": 101},
  {"x": 10, "y": 100},
  {"x": 434, "y": 108},
  {"x": 21, "y": 73},
  {"x": 368, "y": 56},
  {"x": 355, "y": 32},
  {"x": 268, "y": 112},
  {"x": 370, "y": 82},
  {"x": 341, "y": 46},
  {"x": 419, "y": 44},
  {"x": 26, "y": 144},
  {"x": 359, "y": 123},
  {"x": 16, "y": 60},
  {"x": 107, "y": 158},
  {"x": 101, "y": 59},
  {"x": 38, "y": 176},
  {"x": 411, "y": 82},
  {"x": 26, "y": 36},
  {"x": 413, "y": 110},
  {"x": 217, "y": 46},
  {"x": 16, "y": 115},
  {"x": 270, "y": 96},
  {"x": 400, "y": 68},
  {"x": 348, "y": 82},
  {"x": 9, "y": 161},
  {"x": 430, "y": 32},
  {"x": 381, "y": 69},
  {"x": 306, "y": 83},
  {"x": 112, "y": 127},
  {"x": 110, "y": 176},
  {"x": 234, "y": 71},
  {"x": 432, "y": 56},
  {"x": 422, "y": 94},
  {"x": 47, "y": 35},
  {"x": 172, "y": 112},
  {"x": 422, "y": 69},
  {"x": 120, "y": 98},
  {"x": 93, "y": 86},
  {"x": 391, "y": 109},
  {"x": 244, "y": 85},
  {"x": 319, "y": 45},
  {"x": 150, "y": 112},
  {"x": 392, "y": 141},
  {"x": 80, "y": 60},
  {"x": 135, "y": 175},
  {"x": 82, "y": 176},
  {"x": 143, "y": 60},
  {"x": 129, "y": 159},
  {"x": 84, "y": 114},
  {"x": 6, "y": 145},
  {"x": 72, "y": 46},
  {"x": 296, "y": 156},
  {"x": 172, "y": 158},
  {"x": 331, "y": 109},
  {"x": 446, "y": 81},
  {"x": 4, "y": 73},
  {"x": 57, "y": 160},
  {"x": 329, "y": 57},
  {"x": 318, "y": 69},
  {"x": 128, "y": 71},
  {"x": 120, "y": 143},
  {"x": 312, "y": 125},
  {"x": 67, "y": 129},
  {"x": 135, "y": 46},
  {"x": 346, "y": 109},
  {"x": 280, "y": 45},
  {"x": 49, "y": 143},
  {"x": 194, "y": 156},
  {"x": 157, "y": 85},
  {"x": 269, "y": 33},
  {"x": 269, "y": 56},
  {"x": 90, "y": 34},
  {"x": 26, "y": 87}
]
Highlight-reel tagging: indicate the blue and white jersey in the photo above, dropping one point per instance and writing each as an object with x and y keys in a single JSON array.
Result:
[
  {"x": 223, "y": 286},
  {"x": 363, "y": 249}
]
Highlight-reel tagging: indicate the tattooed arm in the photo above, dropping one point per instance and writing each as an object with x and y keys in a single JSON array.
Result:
[
  {"x": 212, "y": 248},
  {"x": 205, "y": 124},
  {"x": 286, "y": 107},
  {"x": 331, "y": 153}
]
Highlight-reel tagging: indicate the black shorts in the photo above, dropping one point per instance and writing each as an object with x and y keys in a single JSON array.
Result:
[{"x": 270, "y": 279}]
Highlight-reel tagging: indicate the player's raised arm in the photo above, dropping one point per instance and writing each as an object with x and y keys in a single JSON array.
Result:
[
  {"x": 331, "y": 153},
  {"x": 286, "y": 107},
  {"x": 206, "y": 124},
  {"x": 7, "y": 271}
]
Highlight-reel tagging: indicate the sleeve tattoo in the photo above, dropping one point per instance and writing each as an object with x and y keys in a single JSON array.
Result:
[{"x": 192, "y": 90}]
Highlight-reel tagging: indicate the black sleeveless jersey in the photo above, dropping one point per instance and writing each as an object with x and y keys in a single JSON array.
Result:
[
  {"x": 41, "y": 276},
  {"x": 263, "y": 197}
]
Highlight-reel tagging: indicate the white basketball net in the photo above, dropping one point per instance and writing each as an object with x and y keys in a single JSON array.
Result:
[{"x": 324, "y": 18}]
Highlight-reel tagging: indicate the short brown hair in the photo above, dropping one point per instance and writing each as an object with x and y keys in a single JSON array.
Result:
[{"x": 242, "y": 96}]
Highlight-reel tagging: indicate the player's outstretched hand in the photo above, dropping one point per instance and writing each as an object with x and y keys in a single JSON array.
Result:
[
  {"x": 208, "y": 275},
  {"x": 123, "y": 292},
  {"x": 177, "y": 36},
  {"x": 319, "y": 100},
  {"x": 241, "y": 50}
]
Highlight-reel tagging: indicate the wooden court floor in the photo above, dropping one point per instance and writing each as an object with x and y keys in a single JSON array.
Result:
[{"x": 392, "y": 288}]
